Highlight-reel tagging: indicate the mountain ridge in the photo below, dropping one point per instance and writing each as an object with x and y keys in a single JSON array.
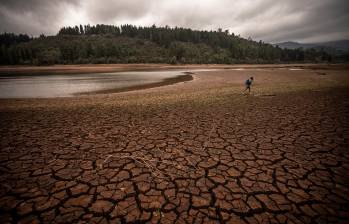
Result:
[{"x": 339, "y": 45}]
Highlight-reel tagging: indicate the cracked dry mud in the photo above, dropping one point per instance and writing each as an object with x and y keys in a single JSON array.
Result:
[{"x": 280, "y": 158}]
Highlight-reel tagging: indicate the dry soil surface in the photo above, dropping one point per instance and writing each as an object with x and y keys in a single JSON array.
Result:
[{"x": 201, "y": 151}]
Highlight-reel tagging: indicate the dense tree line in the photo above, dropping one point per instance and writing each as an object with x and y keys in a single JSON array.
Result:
[
  {"x": 132, "y": 44},
  {"x": 11, "y": 38}
]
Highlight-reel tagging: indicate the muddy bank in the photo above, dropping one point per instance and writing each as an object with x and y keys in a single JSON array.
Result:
[
  {"x": 101, "y": 68},
  {"x": 165, "y": 82}
]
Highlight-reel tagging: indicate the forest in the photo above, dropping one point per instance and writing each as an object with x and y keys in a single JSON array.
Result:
[{"x": 98, "y": 44}]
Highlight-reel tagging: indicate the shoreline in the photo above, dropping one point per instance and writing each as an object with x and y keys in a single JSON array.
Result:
[
  {"x": 221, "y": 81},
  {"x": 165, "y": 82},
  {"x": 106, "y": 68}
]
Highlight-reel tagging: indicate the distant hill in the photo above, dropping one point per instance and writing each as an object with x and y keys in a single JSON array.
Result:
[
  {"x": 340, "y": 45},
  {"x": 101, "y": 43}
]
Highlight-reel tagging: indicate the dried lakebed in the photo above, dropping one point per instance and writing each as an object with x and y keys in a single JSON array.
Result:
[{"x": 220, "y": 157}]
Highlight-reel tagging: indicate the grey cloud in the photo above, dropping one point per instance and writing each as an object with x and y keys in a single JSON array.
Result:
[
  {"x": 254, "y": 10},
  {"x": 33, "y": 16},
  {"x": 192, "y": 15},
  {"x": 319, "y": 20},
  {"x": 109, "y": 10},
  {"x": 268, "y": 20}
]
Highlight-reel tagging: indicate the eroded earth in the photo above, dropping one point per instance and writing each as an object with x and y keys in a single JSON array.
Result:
[{"x": 238, "y": 159}]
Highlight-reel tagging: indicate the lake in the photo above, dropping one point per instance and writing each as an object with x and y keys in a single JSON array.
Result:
[{"x": 68, "y": 85}]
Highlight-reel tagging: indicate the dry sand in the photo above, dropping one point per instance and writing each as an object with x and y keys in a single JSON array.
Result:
[
  {"x": 71, "y": 69},
  {"x": 269, "y": 79},
  {"x": 193, "y": 152}
]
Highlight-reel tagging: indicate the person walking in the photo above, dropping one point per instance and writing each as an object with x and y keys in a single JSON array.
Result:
[{"x": 248, "y": 84}]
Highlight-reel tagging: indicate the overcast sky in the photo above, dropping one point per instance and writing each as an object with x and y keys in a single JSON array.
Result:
[{"x": 267, "y": 20}]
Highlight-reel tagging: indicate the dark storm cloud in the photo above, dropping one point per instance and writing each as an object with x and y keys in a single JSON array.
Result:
[
  {"x": 308, "y": 21},
  {"x": 24, "y": 5},
  {"x": 33, "y": 16},
  {"x": 268, "y": 20}
]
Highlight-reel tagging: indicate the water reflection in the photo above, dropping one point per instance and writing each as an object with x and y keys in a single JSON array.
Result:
[{"x": 46, "y": 86}]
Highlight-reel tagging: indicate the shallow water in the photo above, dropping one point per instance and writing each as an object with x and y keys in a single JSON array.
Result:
[{"x": 67, "y": 85}]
